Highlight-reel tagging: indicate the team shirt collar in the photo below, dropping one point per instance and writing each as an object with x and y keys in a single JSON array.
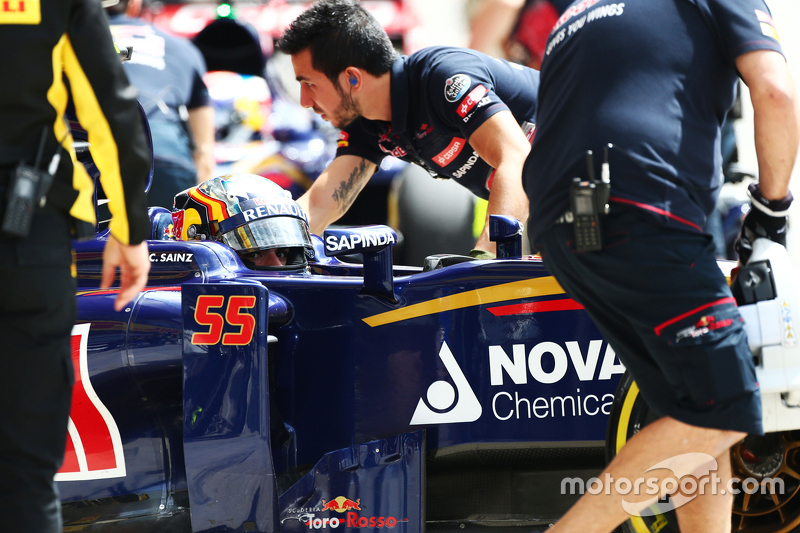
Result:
[{"x": 399, "y": 95}]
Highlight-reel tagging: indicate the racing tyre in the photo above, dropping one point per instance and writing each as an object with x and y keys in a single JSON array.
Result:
[
  {"x": 771, "y": 460},
  {"x": 435, "y": 216}
]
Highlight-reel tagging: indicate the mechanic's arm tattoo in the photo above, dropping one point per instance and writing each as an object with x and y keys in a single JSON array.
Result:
[{"x": 346, "y": 194}]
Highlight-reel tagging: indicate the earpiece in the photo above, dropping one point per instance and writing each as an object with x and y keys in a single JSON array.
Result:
[{"x": 353, "y": 81}]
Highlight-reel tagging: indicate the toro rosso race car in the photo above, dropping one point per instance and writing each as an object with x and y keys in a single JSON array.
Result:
[
  {"x": 264, "y": 381},
  {"x": 322, "y": 394}
]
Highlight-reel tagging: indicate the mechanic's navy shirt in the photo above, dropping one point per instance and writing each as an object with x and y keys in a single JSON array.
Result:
[
  {"x": 168, "y": 71},
  {"x": 440, "y": 96},
  {"x": 656, "y": 79}
]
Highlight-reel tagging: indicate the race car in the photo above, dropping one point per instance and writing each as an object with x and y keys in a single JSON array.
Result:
[
  {"x": 325, "y": 395},
  {"x": 328, "y": 395},
  {"x": 320, "y": 394}
]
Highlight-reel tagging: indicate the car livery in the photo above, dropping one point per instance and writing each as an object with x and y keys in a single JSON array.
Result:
[{"x": 343, "y": 396}]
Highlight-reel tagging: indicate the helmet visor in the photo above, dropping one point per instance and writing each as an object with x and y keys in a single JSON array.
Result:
[{"x": 271, "y": 232}]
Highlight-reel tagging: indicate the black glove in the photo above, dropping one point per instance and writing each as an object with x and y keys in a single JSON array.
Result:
[{"x": 766, "y": 218}]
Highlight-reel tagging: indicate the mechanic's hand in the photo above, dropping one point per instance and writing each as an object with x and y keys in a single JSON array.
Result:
[
  {"x": 766, "y": 218},
  {"x": 133, "y": 263},
  {"x": 477, "y": 253}
]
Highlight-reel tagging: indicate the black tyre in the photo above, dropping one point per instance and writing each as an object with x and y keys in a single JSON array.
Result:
[
  {"x": 629, "y": 415},
  {"x": 435, "y": 216}
]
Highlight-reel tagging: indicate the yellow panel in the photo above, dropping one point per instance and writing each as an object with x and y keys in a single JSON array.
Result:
[
  {"x": 20, "y": 12},
  {"x": 190, "y": 216}
]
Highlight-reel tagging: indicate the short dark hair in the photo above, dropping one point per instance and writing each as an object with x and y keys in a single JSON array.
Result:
[{"x": 340, "y": 34}]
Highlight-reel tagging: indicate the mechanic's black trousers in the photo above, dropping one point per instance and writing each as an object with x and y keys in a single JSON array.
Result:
[{"x": 37, "y": 311}]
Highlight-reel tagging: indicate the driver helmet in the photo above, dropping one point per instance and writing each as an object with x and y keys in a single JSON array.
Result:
[{"x": 252, "y": 215}]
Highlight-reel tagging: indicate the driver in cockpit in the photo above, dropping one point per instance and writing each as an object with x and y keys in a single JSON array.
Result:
[{"x": 255, "y": 217}]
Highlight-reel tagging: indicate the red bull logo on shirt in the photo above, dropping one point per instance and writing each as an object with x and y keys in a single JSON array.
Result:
[
  {"x": 704, "y": 325},
  {"x": 387, "y": 145},
  {"x": 424, "y": 130}
]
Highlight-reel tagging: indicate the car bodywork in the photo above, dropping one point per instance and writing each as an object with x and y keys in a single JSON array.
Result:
[{"x": 341, "y": 396}]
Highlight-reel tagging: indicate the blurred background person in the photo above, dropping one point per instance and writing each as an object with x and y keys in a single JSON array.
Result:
[
  {"x": 168, "y": 71},
  {"x": 516, "y": 30}
]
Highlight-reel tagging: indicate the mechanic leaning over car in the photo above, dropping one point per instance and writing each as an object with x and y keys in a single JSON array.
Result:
[
  {"x": 458, "y": 113},
  {"x": 43, "y": 42},
  {"x": 655, "y": 79},
  {"x": 249, "y": 213}
]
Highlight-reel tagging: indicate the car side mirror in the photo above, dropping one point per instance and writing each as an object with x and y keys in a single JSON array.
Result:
[
  {"x": 507, "y": 233},
  {"x": 374, "y": 243}
]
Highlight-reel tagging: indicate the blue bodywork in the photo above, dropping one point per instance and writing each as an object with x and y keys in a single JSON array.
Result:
[{"x": 342, "y": 396}]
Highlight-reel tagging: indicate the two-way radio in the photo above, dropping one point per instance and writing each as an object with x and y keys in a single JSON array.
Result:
[
  {"x": 588, "y": 203},
  {"x": 27, "y": 188}
]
